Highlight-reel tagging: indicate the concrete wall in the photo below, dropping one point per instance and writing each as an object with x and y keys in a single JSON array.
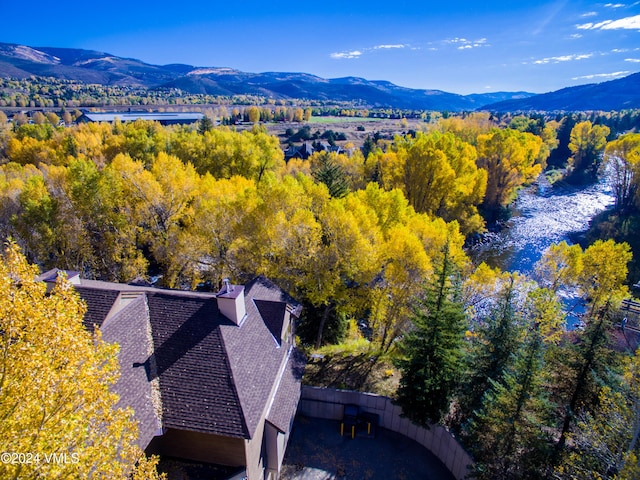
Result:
[{"x": 329, "y": 403}]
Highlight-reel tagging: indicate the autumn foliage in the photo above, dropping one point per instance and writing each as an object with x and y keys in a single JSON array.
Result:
[
  {"x": 57, "y": 415},
  {"x": 377, "y": 238}
]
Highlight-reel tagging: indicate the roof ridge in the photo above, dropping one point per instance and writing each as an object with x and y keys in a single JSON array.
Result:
[
  {"x": 125, "y": 287},
  {"x": 234, "y": 389}
]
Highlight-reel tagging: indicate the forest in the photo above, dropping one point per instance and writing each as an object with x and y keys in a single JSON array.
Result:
[{"x": 374, "y": 238}]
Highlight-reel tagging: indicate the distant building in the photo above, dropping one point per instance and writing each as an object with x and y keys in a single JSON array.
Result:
[
  {"x": 307, "y": 149},
  {"x": 211, "y": 377},
  {"x": 304, "y": 151},
  {"x": 164, "y": 118}
]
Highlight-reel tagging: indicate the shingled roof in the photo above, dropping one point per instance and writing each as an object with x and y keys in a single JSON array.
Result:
[
  {"x": 211, "y": 375},
  {"x": 197, "y": 386},
  {"x": 99, "y": 303},
  {"x": 130, "y": 329},
  {"x": 286, "y": 399}
]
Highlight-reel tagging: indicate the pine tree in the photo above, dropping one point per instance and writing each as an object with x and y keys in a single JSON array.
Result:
[
  {"x": 204, "y": 125},
  {"x": 433, "y": 350},
  {"x": 587, "y": 360},
  {"x": 605, "y": 444},
  {"x": 602, "y": 282},
  {"x": 332, "y": 175},
  {"x": 508, "y": 436},
  {"x": 490, "y": 352}
]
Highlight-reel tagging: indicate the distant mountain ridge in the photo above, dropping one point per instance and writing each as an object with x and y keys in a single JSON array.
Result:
[
  {"x": 620, "y": 94},
  {"x": 103, "y": 68}
]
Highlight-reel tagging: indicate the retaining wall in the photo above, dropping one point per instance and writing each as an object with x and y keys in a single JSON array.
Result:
[{"x": 329, "y": 403}]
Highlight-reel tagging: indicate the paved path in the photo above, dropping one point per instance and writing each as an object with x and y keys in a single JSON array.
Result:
[{"x": 316, "y": 451}]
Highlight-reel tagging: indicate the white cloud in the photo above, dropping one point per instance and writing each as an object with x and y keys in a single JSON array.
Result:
[
  {"x": 586, "y": 26},
  {"x": 614, "y": 5},
  {"x": 464, "y": 44},
  {"x": 632, "y": 60},
  {"x": 364, "y": 51},
  {"x": 343, "y": 55},
  {"x": 589, "y": 14},
  {"x": 563, "y": 58},
  {"x": 627, "y": 23},
  {"x": 389, "y": 47},
  {"x": 601, "y": 75},
  {"x": 575, "y": 36}
]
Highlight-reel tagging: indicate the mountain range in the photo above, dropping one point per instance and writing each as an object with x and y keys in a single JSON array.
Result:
[{"x": 20, "y": 61}]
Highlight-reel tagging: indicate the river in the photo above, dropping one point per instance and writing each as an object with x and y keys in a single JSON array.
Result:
[{"x": 543, "y": 215}]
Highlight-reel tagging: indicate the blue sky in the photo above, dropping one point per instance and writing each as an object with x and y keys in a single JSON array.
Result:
[{"x": 464, "y": 47}]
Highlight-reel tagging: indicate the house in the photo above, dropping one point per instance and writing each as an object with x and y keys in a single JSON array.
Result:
[
  {"x": 307, "y": 149},
  {"x": 324, "y": 146},
  {"x": 211, "y": 378},
  {"x": 303, "y": 151}
]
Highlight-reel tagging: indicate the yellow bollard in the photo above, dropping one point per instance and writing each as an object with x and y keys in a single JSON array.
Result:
[
  {"x": 353, "y": 432},
  {"x": 341, "y": 429}
]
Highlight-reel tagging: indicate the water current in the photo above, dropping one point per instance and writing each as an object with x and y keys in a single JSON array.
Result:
[{"x": 543, "y": 215}]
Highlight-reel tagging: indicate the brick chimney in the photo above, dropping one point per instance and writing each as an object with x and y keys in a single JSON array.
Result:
[{"x": 231, "y": 302}]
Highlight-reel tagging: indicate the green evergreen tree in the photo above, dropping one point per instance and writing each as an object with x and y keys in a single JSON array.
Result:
[
  {"x": 332, "y": 175},
  {"x": 204, "y": 125},
  {"x": 368, "y": 146},
  {"x": 433, "y": 350},
  {"x": 509, "y": 439},
  {"x": 588, "y": 361},
  {"x": 489, "y": 353},
  {"x": 605, "y": 444}
]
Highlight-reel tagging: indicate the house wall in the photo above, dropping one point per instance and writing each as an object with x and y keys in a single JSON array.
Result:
[
  {"x": 329, "y": 403},
  {"x": 267, "y": 446},
  {"x": 200, "y": 447},
  {"x": 282, "y": 441},
  {"x": 271, "y": 447},
  {"x": 276, "y": 444},
  {"x": 253, "y": 451}
]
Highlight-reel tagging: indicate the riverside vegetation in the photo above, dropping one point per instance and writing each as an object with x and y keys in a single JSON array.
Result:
[{"x": 373, "y": 245}]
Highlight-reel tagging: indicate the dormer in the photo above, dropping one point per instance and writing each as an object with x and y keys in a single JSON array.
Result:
[
  {"x": 50, "y": 277},
  {"x": 231, "y": 302}
]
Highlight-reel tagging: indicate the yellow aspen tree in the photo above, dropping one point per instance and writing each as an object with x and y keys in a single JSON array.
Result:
[
  {"x": 253, "y": 114},
  {"x": 438, "y": 174},
  {"x": 559, "y": 265},
  {"x": 511, "y": 159},
  {"x": 219, "y": 212},
  {"x": 623, "y": 155},
  {"x": 587, "y": 143},
  {"x": 57, "y": 412}
]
